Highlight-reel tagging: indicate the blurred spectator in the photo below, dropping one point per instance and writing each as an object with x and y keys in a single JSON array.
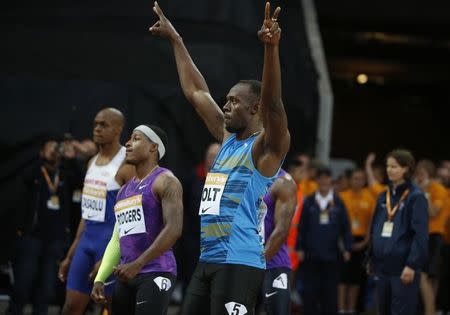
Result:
[
  {"x": 399, "y": 238},
  {"x": 342, "y": 183},
  {"x": 323, "y": 223},
  {"x": 360, "y": 204},
  {"x": 43, "y": 228},
  {"x": 81, "y": 152},
  {"x": 307, "y": 174},
  {"x": 341, "y": 170},
  {"x": 443, "y": 173},
  {"x": 189, "y": 244},
  {"x": 436, "y": 195},
  {"x": 375, "y": 176},
  {"x": 443, "y": 295}
]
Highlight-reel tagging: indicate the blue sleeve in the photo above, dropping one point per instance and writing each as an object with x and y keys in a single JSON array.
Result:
[
  {"x": 369, "y": 253},
  {"x": 346, "y": 232},
  {"x": 419, "y": 225}
]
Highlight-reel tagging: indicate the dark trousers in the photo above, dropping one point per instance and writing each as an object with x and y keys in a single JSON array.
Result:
[
  {"x": 276, "y": 291},
  {"x": 443, "y": 297},
  {"x": 145, "y": 294},
  {"x": 35, "y": 268},
  {"x": 320, "y": 287},
  {"x": 223, "y": 289},
  {"x": 396, "y": 298}
]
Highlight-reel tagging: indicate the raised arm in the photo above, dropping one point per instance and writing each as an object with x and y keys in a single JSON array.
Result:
[
  {"x": 276, "y": 134},
  {"x": 371, "y": 179},
  {"x": 192, "y": 82},
  {"x": 284, "y": 191}
]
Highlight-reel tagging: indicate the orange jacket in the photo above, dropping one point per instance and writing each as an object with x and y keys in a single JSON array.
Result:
[
  {"x": 293, "y": 230},
  {"x": 438, "y": 196}
]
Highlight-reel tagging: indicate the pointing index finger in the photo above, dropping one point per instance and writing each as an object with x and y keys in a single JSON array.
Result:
[
  {"x": 158, "y": 10},
  {"x": 267, "y": 11}
]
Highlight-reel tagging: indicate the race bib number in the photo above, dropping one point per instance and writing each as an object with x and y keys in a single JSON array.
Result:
[
  {"x": 163, "y": 284},
  {"x": 281, "y": 282},
  {"x": 388, "y": 228},
  {"x": 234, "y": 308},
  {"x": 212, "y": 194},
  {"x": 130, "y": 216},
  {"x": 93, "y": 200},
  {"x": 76, "y": 196}
]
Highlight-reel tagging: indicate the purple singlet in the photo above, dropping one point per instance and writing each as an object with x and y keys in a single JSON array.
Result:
[
  {"x": 281, "y": 259},
  {"x": 139, "y": 218}
]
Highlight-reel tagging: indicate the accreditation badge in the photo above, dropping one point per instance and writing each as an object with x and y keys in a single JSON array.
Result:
[
  {"x": 355, "y": 224},
  {"x": 76, "y": 196},
  {"x": 53, "y": 203},
  {"x": 388, "y": 228},
  {"x": 324, "y": 217},
  {"x": 130, "y": 216},
  {"x": 212, "y": 193}
]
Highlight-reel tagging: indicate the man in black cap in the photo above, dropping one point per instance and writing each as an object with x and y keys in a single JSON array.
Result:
[{"x": 324, "y": 222}]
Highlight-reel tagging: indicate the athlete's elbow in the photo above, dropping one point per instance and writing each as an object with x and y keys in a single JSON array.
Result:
[
  {"x": 190, "y": 95},
  {"x": 178, "y": 232},
  {"x": 283, "y": 234},
  {"x": 280, "y": 234}
]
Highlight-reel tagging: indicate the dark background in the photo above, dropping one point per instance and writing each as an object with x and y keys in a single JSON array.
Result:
[
  {"x": 404, "y": 48},
  {"x": 61, "y": 61}
]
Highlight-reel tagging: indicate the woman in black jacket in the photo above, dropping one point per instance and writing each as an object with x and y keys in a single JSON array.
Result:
[{"x": 399, "y": 238}]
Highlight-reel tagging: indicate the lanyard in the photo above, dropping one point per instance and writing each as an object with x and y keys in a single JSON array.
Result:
[
  {"x": 392, "y": 211},
  {"x": 53, "y": 187}
]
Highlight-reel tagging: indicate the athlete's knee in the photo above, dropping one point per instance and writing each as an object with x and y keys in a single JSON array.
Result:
[{"x": 73, "y": 306}]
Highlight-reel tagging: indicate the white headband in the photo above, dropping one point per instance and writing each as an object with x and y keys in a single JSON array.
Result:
[{"x": 146, "y": 130}]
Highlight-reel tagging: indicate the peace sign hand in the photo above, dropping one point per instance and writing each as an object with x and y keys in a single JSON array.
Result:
[
  {"x": 162, "y": 27},
  {"x": 270, "y": 31}
]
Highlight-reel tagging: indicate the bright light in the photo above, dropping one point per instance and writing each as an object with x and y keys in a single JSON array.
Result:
[{"x": 362, "y": 78}]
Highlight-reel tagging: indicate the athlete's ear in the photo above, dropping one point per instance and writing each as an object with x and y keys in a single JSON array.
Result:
[
  {"x": 153, "y": 147},
  {"x": 254, "y": 108},
  {"x": 118, "y": 129}
]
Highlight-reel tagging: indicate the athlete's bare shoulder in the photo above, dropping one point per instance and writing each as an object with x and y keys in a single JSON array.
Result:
[
  {"x": 167, "y": 185},
  {"x": 91, "y": 160},
  {"x": 283, "y": 185}
]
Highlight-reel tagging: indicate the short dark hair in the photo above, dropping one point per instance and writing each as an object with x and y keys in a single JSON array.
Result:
[
  {"x": 43, "y": 139},
  {"x": 290, "y": 163},
  {"x": 323, "y": 171},
  {"x": 405, "y": 159},
  {"x": 161, "y": 134},
  {"x": 351, "y": 172},
  {"x": 255, "y": 87}
]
